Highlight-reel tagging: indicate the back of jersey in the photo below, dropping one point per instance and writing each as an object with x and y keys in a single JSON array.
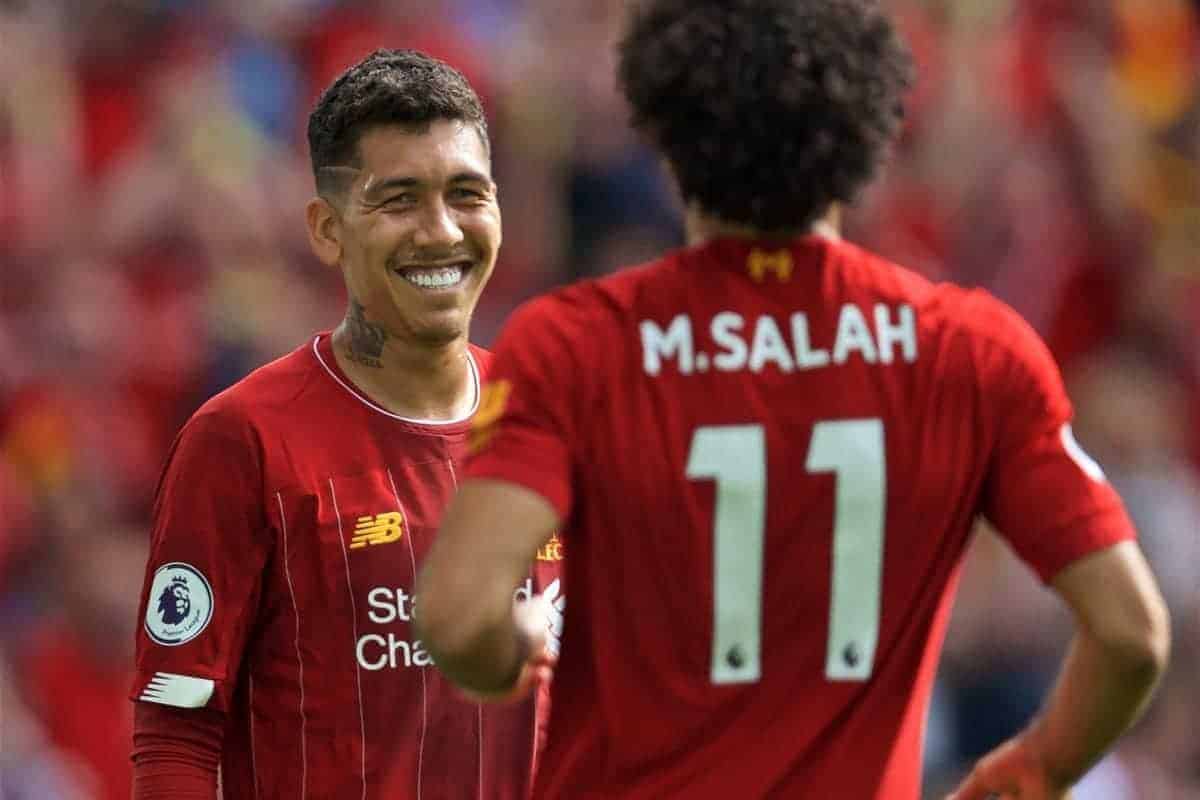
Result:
[{"x": 777, "y": 454}]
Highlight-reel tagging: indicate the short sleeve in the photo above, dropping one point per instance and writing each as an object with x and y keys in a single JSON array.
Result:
[
  {"x": 1045, "y": 495},
  {"x": 525, "y": 424},
  {"x": 209, "y": 546}
]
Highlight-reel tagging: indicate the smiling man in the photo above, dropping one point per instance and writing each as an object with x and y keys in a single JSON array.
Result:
[{"x": 296, "y": 506}]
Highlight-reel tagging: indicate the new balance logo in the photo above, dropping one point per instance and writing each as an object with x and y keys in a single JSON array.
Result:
[{"x": 379, "y": 529}]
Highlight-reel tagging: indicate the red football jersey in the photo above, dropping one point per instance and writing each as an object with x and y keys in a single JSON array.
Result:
[
  {"x": 289, "y": 526},
  {"x": 769, "y": 459}
]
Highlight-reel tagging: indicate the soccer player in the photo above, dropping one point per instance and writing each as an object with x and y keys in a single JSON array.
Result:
[
  {"x": 296, "y": 506},
  {"x": 766, "y": 452}
]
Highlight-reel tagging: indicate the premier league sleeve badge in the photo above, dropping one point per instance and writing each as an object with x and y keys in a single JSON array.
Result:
[{"x": 180, "y": 605}]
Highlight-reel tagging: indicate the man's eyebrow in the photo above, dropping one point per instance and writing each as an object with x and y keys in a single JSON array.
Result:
[
  {"x": 375, "y": 189},
  {"x": 469, "y": 176}
]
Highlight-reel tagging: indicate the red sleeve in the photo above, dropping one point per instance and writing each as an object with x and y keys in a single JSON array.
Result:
[
  {"x": 525, "y": 426},
  {"x": 1043, "y": 492},
  {"x": 176, "y": 752},
  {"x": 208, "y": 549}
]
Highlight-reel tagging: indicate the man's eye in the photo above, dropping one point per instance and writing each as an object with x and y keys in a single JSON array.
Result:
[
  {"x": 463, "y": 193},
  {"x": 400, "y": 200}
]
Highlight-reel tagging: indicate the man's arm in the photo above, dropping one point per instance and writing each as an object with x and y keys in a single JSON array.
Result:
[
  {"x": 176, "y": 752},
  {"x": 518, "y": 487},
  {"x": 1116, "y": 659},
  {"x": 465, "y": 614},
  {"x": 209, "y": 545}
]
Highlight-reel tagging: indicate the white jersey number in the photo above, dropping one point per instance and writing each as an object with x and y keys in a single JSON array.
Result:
[{"x": 735, "y": 457}]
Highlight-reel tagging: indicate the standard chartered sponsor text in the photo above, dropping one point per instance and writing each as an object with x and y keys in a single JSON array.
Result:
[{"x": 391, "y": 649}]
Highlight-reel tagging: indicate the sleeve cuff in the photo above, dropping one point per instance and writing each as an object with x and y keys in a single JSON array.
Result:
[
  {"x": 1081, "y": 540},
  {"x": 553, "y": 488}
]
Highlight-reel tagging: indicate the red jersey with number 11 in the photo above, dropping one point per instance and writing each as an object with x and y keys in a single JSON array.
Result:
[{"x": 769, "y": 458}]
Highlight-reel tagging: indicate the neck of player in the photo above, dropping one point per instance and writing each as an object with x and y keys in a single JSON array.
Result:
[
  {"x": 701, "y": 227},
  {"x": 412, "y": 379}
]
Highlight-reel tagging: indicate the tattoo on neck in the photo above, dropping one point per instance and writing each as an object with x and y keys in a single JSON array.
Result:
[{"x": 365, "y": 339}]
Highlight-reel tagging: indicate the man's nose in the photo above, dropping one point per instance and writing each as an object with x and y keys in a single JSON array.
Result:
[{"x": 438, "y": 227}]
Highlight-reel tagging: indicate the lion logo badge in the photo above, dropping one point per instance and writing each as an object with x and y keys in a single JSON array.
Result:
[{"x": 180, "y": 605}]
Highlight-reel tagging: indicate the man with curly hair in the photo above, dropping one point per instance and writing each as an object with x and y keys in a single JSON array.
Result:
[
  {"x": 296, "y": 506},
  {"x": 767, "y": 451}
]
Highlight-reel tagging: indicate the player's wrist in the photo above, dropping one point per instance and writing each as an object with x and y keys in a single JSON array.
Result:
[
  {"x": 1037, "y": 744},
  {"x": 519, "y": 681},
  {"x": 524, "y": 649}
]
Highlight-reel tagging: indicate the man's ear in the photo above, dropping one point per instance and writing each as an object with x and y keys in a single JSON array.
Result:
[{"x": 324, "y": 231}]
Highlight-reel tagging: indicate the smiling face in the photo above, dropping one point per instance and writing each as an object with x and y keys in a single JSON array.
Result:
[{"x": 417, "y": 231}]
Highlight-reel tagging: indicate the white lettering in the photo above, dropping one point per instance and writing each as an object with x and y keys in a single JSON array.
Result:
[
  {"x": 853, "y": 334},
  {"x": 420, "y": 656},
  {"x": 892, "y": 338},
  {"x": 379, "y": 599},
  {"x": 903, "y": 333},
  {"x": 360, "y": 652},
  {"x": 769, "y": 346},
  {"x": 733, "y": 348},
  {"x": 388, "y": 605},
  {"x": 376, "y": 651},
  {"x": 392, "y": 652},
  {"x": 674, "y": 342},
  {"x": 806, "y": 356},
  {"x": 398, "y": 645}
]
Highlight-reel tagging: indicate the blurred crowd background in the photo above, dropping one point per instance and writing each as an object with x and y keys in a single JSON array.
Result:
[{"x": 153, "y": 173}]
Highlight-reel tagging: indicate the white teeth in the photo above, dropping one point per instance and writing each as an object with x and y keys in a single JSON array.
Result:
[{"x": 434, "y": 279}]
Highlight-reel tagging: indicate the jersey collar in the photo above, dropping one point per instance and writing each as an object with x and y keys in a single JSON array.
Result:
[{"x": 322, "y": 348}]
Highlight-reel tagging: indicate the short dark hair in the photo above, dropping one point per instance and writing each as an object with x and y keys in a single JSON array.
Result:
[
  {"x": 768, "y": 111},
  {"x": 388, "y": 87}
]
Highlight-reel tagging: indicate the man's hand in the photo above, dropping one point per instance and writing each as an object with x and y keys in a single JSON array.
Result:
[
  {"x": 533, "y": 618},
  {"x": 1010, "y": 772}
]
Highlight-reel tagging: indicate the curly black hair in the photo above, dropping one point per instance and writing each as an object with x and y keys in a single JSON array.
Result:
[
  {"x": 388, "y": 87},
  {"x": 768, "y": 111}
]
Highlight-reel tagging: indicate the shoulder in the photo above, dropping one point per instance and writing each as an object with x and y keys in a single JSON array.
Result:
[
  {"x": 250, "y": 404},
  {"x": 986, "y": 339},
  {"x": 985, "y": 324},
  {"x": 872, "y": 273},
  {"x": 973, "y": 317},
  {"x": 977, "y": 334}
]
